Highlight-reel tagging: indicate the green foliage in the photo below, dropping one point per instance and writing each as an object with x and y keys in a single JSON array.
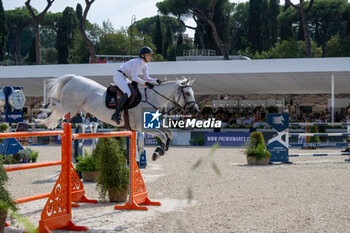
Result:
[
  {"x": 158, "y": 37},
  {"x": 313, "y": 139},
  {"x": 88, "y": 163},
  {"x": 254, "y": 25},
  {"x": 49, "y": 55},
  {"x": 256, "y": 138},
  {"x": 65, "y": 35},
  {"x": 112, "y": 162},
  {"x": 25, "y": 154},
  {"x": 3, "y": 127},
  {"x": 289, "y": 49},
  {"x": 34, "y": 155},
  {"x": 3, "y": 31},
  {"x": 31, "y": 59},
  {"x": 259, "y": 152},
  {"x": 257, "y": 147},
  {"x": 6, "y": 201},
  {"x": 198, "y": 140}
]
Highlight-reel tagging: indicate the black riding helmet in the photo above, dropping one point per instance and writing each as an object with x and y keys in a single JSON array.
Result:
[{"x": 145, "y": 50}]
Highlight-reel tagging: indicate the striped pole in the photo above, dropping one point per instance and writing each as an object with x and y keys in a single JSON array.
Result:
[
  {"x": 324, "y": 154},
  {"x": 318, "y": 134},
  {"x": 319, "y": 124}
]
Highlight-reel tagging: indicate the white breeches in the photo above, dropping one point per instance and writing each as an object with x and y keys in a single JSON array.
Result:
[{"x": 122, "y": 82}]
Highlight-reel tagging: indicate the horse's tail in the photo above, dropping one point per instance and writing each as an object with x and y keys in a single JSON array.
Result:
[
  {"x": 55, "y": 86},
  {"x": 53, "y": 110}
]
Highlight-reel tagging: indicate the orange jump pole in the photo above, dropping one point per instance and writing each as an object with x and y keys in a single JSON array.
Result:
[
  {"x": 57, "y": 213},
  {"x": 137, "y": 188}
]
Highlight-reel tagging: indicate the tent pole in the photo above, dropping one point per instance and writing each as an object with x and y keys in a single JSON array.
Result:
[
  {"x": 332, "y": 105},
  {"x": 44, "y": 92}
]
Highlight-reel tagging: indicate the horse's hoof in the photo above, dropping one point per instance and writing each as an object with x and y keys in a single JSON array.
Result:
[
  {"x": 155, "y": 156},
  {"x": 159, "y": 150}
]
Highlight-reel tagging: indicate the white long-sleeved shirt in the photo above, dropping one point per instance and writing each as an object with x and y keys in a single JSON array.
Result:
[{"x": 134, "y": 67}]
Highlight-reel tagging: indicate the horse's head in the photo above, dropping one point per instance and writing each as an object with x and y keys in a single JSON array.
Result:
[{"x": 185, "y": 95}]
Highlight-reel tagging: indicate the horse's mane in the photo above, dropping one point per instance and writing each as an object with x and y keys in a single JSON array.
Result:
[{"x": 180, "y": 82}]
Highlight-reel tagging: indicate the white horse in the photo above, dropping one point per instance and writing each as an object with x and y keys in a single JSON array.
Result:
[{"x": 73, "y": 94}]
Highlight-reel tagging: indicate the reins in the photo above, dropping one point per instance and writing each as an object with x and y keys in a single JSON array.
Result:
[{"x": 175, "y": 103}]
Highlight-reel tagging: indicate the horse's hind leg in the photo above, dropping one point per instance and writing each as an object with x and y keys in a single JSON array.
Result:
[{"x": 58, "y": 110}]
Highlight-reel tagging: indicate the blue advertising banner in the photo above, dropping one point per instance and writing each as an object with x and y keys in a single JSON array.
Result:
[{"x": 226, "y": 138}]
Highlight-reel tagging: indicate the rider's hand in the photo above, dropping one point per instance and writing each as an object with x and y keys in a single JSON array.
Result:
[
  {"x": 159, "y": 81},
  {"x": 149, "y": 85}
]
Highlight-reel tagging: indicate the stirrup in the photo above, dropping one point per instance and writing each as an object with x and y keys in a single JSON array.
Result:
[{"x": 116, "y": 117}]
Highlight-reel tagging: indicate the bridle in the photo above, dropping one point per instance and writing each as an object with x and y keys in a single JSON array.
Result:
[{"x": 175, "y": 103}]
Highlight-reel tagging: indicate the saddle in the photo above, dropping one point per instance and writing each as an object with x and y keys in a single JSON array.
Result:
[{"x": 113, "y": 95}]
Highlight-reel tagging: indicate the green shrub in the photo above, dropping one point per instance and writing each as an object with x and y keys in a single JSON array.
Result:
[
  {"x": 198, "y": 140},
  {"x": 3, "y": 127},
  {"x": 259, "y": 151},
  {"x": 35, "y": 155},
  {"x": 114, "y": 172},
  {"x": 313, "y": 139},
  {"x": 88, "y": 163},
  {"x": 6, "y": 201},
  {"x": 256, "y": 138},
  {"x": 257, "y": 146}
]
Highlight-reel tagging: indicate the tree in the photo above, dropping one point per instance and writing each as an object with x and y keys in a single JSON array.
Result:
[
  {"x": 304, "y": 22},
  {"x": 48, "y": 29},
  {"x": 36, "y": 22},
  {"x": 158, "y": 37},
  {"x": 65, "y": 34},
  {"x": 31, "y": 59},
  {"x": 254, "y": 25},
  {"x": 221, "y": 19},
  {"x": 239, "y": 25},
  {"x": 274, "y": 10},
  {"x": 168, "y": 41},
  {"x": 3, "y": 31},
  {"x": 18, "y": 20},
  {"x": 147, "y": 26},
  {"x": 324, "y": 13},
  {"x": 82, "y": 21},
  {"x": 265, "y": 25},
  {"x": 198, "y": 9},
  {"x": 285, "y": 20}
]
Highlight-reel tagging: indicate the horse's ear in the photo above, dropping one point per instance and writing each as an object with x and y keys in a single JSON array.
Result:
[{"x": 192, "y": 81}]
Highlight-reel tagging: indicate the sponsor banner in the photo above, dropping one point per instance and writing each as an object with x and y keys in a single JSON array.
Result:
[
  {"x": 155, "y": 120},
  {"x": 227, "y": 138}
]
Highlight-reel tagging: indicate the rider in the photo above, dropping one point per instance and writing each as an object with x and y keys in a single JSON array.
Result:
[{"x": 131, "y": 69}]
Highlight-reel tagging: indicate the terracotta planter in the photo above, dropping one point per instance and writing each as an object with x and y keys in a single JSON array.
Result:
[
  {"x": 252, "y": 161},
  {"x": 3, "y": 215},
  {"x": 117, "y": 196},
  {"x": 90, "y": 176}
]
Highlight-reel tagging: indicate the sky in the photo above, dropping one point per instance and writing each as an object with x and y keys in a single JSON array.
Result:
[{"x": 118, "y": 12}]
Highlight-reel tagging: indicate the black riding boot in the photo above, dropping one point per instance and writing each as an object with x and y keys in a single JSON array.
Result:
[{"x": 121, "y": 103}]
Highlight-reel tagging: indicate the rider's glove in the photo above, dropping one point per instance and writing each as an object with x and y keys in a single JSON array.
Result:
[
  {"x": 159, "y": 81},
  {"x": 149, "y": 85}
]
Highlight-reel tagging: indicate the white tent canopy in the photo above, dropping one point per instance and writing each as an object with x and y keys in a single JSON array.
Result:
[{"x": 272, "y": 76}]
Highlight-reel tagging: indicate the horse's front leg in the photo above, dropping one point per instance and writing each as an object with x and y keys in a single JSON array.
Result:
[
  {"x": 169, "y": 135},
  {"x": 160, "y": 150}
]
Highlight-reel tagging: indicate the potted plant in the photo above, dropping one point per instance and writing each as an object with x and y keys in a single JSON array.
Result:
[
  {"x": 6, "y": 201},
  {"x": 87, "y": 165},
  {"x": 199, "y": 140},
  {"x": 114, "y": 173},
  {"x": 34, "y": 155},
  {"x": 257, "y": 154},
  {"x": 25, "y": 155}
]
